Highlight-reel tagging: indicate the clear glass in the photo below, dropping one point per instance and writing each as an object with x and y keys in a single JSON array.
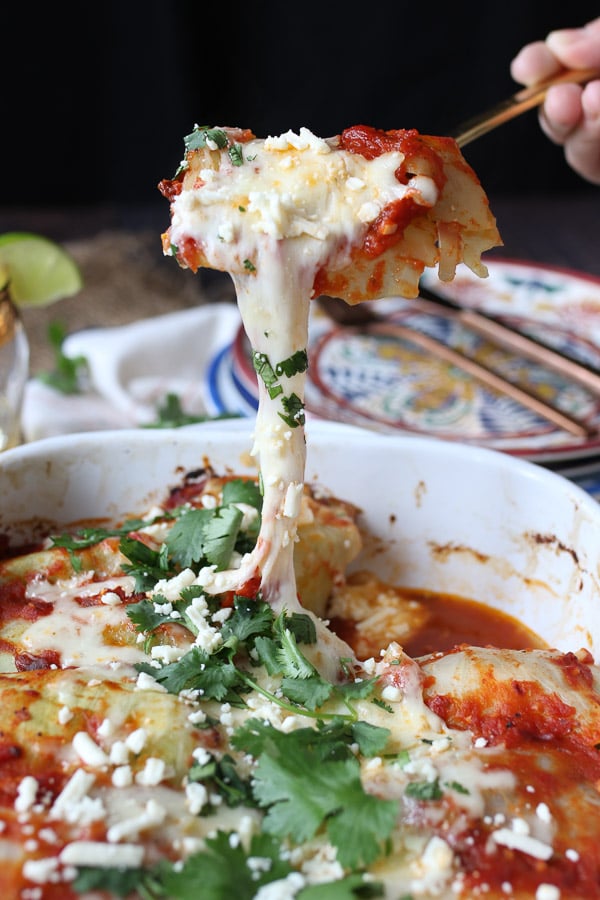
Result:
[{"x": 14, "y": 371}]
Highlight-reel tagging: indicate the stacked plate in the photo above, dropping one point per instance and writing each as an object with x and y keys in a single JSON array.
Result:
[{"x": 389, "y": 384}]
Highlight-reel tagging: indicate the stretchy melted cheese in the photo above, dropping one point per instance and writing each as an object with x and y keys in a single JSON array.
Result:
[{"x": 359, "y": 216}]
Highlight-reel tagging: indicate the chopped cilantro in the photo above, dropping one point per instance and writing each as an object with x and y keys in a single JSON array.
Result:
[
  {"x": 349, "y": 888},
  {"x": 293, "y": 365},
  {"x": 293, "y": 414},
  {"x": 457, "y": 786},
  {"x": 217, "y": 678},
  {"x": 224, "y": 778},
  {"x": 202, "y": 136},
  {"x": 170, "y": 414},
  {"x": 144, "y": 616},
  {"x": 236, "y": 155},
  {"x": 266, "y": 373},
  {"x": 145, "y": 564},
  {"x": 118, "y": 882},
  {"x": 70, "y": 372},
  {"x": 250, "y": 618},
  {"x": 377, "y": 701},
  {"x": 293, "y": 407},
  {"x": 424, "y": 790}
]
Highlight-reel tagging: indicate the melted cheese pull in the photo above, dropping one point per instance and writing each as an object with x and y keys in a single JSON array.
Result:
[{"x": 357, "y": 216}]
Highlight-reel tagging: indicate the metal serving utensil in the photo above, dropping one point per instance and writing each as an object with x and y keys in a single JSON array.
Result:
[
  {"x": 364, "y": 318},
  {"x": 525, "y": 99}
]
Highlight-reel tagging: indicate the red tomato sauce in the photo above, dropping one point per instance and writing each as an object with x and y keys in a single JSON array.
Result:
[{"x": 451, "y": 621}]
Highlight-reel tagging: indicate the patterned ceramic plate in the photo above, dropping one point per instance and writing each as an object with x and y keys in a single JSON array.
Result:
[{"x": 391, "y": 384}]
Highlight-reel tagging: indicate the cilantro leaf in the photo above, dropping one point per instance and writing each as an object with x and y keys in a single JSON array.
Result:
[
  {"x": 221, "y": 535},
  {"x": 349, "y": 888},
  {"x": 371, "y": 739},
  {"x": 88, "y": 537},
  {"x": 147, "y": 565},
  {"x": 180, "y": 675},
  {"x": 280, "y": 654},
  {"x": 302, "y": 794},
  {"x": 217, "y": 678},
  {"x": 293, "y": 663},
  {"x": 185, "y": 541},
  {"x": 202, "y": 134},
  {"x": 264, "y": 370},
  {"x": 252, "y": 736},
  {"x": 357, "y": 690},
  {"x": 294, "y": 364},
  {"x": 301, "y": 626},
  {"x": 241, "y": 490},
  {"x": 219, "y": 872},
  {"x": 331, "y": 740},
  {"x": 293, "y": 411},
  {"x": 424, "y": 790},
  {"x": 236, "y": 154},
  {"x": 170, "y": 414},
  {"x": 458, "y": 787},
  {"x": 267, "y": 651},
  {"x": 201, "y": 535},
  {"x": 144, "y": 616},
  {"x": 250, "y": 618},
  {"x": 311, "y": 692},
  {"x": 118, "y": 882},
  {"x": 223, "y": 775},
  {"x": 222, "y": 871},
  {"x": 359, "y": 829},
  {"x": 70, "y": 373}
]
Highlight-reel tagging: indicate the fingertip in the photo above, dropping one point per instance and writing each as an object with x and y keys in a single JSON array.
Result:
[
  {"x": 590, "y": 101},
  {"x": 533, "y": 63},
  {"x": 562, "y": 107},
  {"x": 576, "y": 48}
]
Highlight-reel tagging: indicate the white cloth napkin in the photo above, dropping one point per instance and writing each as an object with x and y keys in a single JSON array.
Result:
[{"x": 132, "y": 368}]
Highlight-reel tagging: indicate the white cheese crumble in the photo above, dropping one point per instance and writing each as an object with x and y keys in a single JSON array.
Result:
[
  {"x": 520, "y": 840},
  {"x": 146, "y": 682},
  {"x": 151, "y": 816},
  {"x": 98, "y": 853},
  {"x": 41, "y": 871},
  {"x": 136, "y": 741},
  {"x": 171, "y": 588},
  {"x": 196, "y": 797},
  {"x": 154, "y": 771},
  {"x": 547, "y": 892},
  {"x": 26, "y": 794},
  {"x": 89, "y": 751},
  {"x": 73, "y": 803}
]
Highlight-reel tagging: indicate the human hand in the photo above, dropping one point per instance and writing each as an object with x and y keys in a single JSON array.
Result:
[{"x": 570, "y": 115}]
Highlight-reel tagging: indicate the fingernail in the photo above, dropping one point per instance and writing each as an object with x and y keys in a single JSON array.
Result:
[{"x": 564, "y": 37}]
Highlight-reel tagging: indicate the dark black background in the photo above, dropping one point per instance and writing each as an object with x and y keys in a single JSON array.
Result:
[{"x": 97, "y": 98}]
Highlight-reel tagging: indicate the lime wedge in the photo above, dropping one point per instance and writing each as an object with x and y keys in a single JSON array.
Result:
[{"x": 38, "y": 271}]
